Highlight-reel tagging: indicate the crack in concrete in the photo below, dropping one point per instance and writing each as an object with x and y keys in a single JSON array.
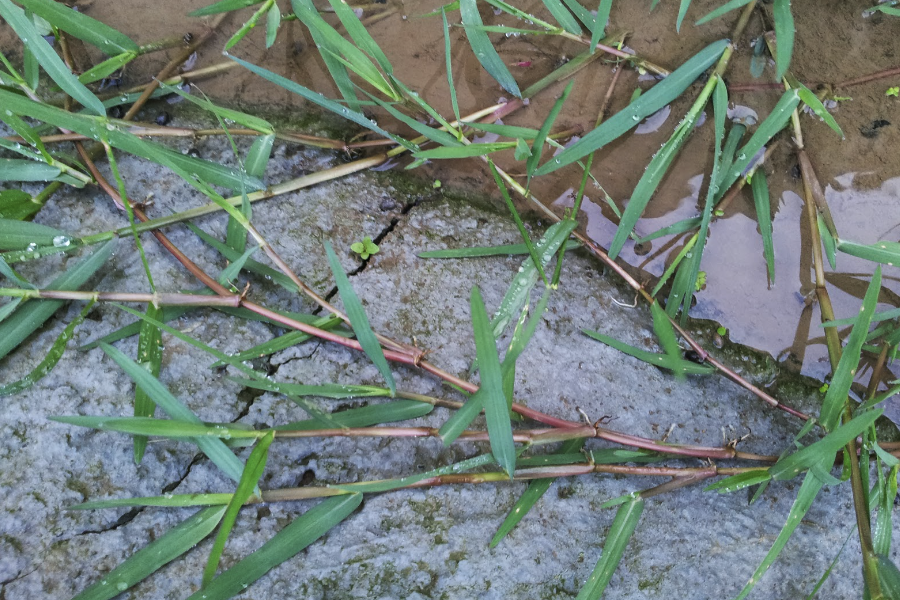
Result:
[{"x": 407, "y": 208}]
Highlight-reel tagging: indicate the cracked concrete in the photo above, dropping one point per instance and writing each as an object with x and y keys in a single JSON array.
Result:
[{"x": 425, "y": 544}]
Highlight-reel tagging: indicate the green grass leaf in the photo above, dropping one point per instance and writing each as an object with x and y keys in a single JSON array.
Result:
[
  {"x": 484, "y": 50},
  {"x": 813, "y": 102},
  {"x": 661, "y": 94},
  {"x": 374, "y": 414},
  {"x": 214, "y": 448},
  {"x": 320, "y": 100},
  {"x": 329, "y": 390},
  {"x": 682, "y": 11},
  {"x": 620, "y": 533},
  {"x": 359, "y": 34},
  {"x": 107, "y": 67},
  {"x": 691, "y": 282},
  {"x": 536, "y": 489},
  {"x": 478, "y": 251},
  {"x": 17, "y": 169},
  {"x": 393, "y": 484},
  {"x": 774, "y": 123},
  {"x": 883, "y": 528},
  {"x": 30, "y": 316},
  {"x": 829, "y": 244},
  {"x": 50, "y": 360},
  {"x": 47, "y": 57},
  {"x": 658, "y": 360},
  {"x": 784, "y": 35},
  {"x": 149, "y": 355},
  {"x": 495, "y": 407},
  {"x": 449, "y": 66},
  {"x": 223, "y": 6},
  {"x": 19, "y": 235},
  {"x": 836, "y": 397},
  {"x": 187, "y": 167},
  {"x": 249, "y": 24},
  {"x": 287, "y": 543},
  {"x": 536, "y": 260},
  {"x": 676, "y": 228},
  {"x": 599, "y": 28},
  {"x": 446, "y": 152},
  {"x": 525, "y": 279},
  {"x": 17, "y": 205},
  {"x": 823, "y": 451},
  {"x": 256, "y": 464},
  {"x": 323, "y": 418},
  {"x": 166, "y": 428},
  {"x": 273, "y": 22},
  {"x": 739, "y": 481},
  {"x": 167, "y": 501},
  {"x": 358, "y": 319},
  {"x": 666, "y": 334},
  {"x": 886, "y": 253},
  {"x": 537, "y": 148},
  {"x": 563, "y": 16},
  {"x": 282, "y": 342},
  {"x": 257, "y": 159},
  {"x": 154, "y": 555},
  {"x": 345, "y": 52},
  {"x": 241, "y": 118},
  {"x": 583, "y": 14},
  {"x": 725, "y": 8},
  {"x": 649, "y": 181},
  {"x": 760, "y": 188},
  {"x": 435, "y": 135},
  {"x": 805, "y": 496}
]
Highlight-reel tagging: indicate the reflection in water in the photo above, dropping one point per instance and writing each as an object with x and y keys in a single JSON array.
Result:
[{"x": 781, "y": 319}]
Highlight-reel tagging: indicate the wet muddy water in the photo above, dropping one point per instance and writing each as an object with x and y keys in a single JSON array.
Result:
[{"x": 835, "y": 44}]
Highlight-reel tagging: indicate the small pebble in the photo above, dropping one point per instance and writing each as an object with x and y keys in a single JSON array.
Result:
[{"x": 162, "y": 118}]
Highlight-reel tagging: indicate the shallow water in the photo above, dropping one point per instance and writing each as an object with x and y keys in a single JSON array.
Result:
[{"x": 835, "y": 43}]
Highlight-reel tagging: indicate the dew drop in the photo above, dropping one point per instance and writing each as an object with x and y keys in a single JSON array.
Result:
[
  {"x": 121, "y": 586},
  {"x": 61, "y": 241}
]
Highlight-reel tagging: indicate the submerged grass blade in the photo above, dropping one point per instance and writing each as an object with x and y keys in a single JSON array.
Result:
[
  {"x": 620, "y": 533},
  {"x": 600, "y": 21},
  {"x": 760, "y": 188},
  {"x": 50, "y": 360},
  {"x": 285, "y": 544},
  {"x": 682, "y": 11},
  {"x": 484, "y": 49},
  {"x": 256, "y": 464},
  {"x": 836, "y": 396},
  {"x": 661, "y": 94},
  {"x": 30, "y": 316},
  {"x": 496, "y": 409},
  {"x": 358, "y": 319},
  {"x": 154, "y": 555}
]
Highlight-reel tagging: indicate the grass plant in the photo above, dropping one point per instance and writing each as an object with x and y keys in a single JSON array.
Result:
[{"x": 66, "y": 107}]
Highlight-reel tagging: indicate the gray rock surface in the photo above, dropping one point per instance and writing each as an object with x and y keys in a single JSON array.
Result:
[{"x": 416, "y": 544}]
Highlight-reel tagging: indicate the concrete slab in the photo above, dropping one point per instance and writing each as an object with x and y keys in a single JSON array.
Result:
[{"x": 428, "y": 544}]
